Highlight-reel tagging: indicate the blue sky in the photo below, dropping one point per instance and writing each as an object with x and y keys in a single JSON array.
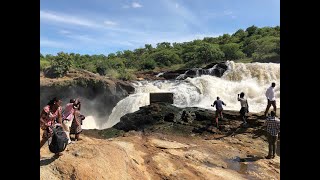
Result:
[{"x": 106, "y": 26}]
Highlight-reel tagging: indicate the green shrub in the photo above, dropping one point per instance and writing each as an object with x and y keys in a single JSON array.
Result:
[
  {"x": 44, "y": 64},
  {"x": 61, "y": 64},
  {"x": 148, "y": 64}
]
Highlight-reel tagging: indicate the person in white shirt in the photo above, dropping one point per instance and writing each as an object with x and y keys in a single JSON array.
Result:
[
  {"x": 244, "y": 107},
  {"x": 271, "y": 99}
]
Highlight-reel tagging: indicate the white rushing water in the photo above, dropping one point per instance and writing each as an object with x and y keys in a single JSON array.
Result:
[
  {"x": 251, "y": 78},
  {"x": 89, "y": 123}
]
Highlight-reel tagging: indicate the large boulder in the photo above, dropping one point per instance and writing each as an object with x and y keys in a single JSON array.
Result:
[{"x": 189, "y": 120}]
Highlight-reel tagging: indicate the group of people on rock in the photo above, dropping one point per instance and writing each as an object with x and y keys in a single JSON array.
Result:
[
  {"x": 272, "y": 122},
  {"x": 69, "y": 118}
]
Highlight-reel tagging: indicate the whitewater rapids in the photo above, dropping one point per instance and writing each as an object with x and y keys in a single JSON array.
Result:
[{"x": 251, "y": 78}]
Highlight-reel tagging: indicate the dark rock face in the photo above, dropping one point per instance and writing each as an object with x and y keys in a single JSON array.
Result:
[
  {"x": 214, "y": 69},
  {"x": 97, "y": 95},
  {"x": 190, "y": 119},
  {"x": 148, "y": 116},
  {"x": 161, "y": 97},
  {"x": 50, "y": 73},
  {"x": 173, "y": 74}
]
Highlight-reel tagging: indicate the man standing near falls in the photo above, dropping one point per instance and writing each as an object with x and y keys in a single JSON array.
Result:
[
  {"x": 273, "y": 129},
  {"x": 218, "y": 103},
  {"x": 244, "y": 108},
  {"x": 271, "y": 99}
]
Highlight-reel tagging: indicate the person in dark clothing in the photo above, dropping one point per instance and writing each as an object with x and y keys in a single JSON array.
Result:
[
  {"x": 218, "y": 103},
  {"x": 77, "y": 121},
  {"x": 273, "y": 128}
]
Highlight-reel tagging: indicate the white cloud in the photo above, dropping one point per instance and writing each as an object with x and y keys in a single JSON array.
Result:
[
  {"x": 64, "y": 32},
  {"x": 83, "y": 38},
  {"x": 227, "y": 12},
  {"x": 170, "y": 37},
  {"x": 53, "y": 44},
  {"x": 110, "y": 23},
  {"x": 136, "y": 5},
  {"x": 183, "y": 12},
  {"x": 66, "y": 19},
  {"x": 124, "y": 43}
]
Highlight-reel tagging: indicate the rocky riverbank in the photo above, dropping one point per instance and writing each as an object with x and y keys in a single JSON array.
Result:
[{"x": 161, "y": 141}]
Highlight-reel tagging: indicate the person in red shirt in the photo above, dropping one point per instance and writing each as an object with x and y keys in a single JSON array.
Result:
[{"x": 49, "y": 114}]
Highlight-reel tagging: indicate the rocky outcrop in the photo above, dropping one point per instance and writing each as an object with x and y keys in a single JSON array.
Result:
[
  {"x": 98, "y": 94},
  {"x": 214, "y": 69},
  {"x": 173, "y": 74},
  {"x": 185, "y": 120}
]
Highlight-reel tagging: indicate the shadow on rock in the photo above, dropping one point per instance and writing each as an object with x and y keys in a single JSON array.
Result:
[
  {"x": 250, "y": 158},
  {"x": 48, "y": 161}
]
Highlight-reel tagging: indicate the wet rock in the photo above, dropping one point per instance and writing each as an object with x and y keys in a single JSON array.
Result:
[
  {"x": 225, "y": 128},
  {"x": 161, "y": 97},
  {"x": 190, "y": 120}
]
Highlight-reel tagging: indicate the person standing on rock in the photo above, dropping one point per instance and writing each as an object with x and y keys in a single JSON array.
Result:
[
  {"x": 218, "y": 103},
  {"x": 49, "y": 114},
  {"x": 273, "y": 128},
  {"x": 244, "y": 107},
  {"x": 271, "y": 99},
  {"x": 77, "y": 121},
  {"x": 67, "y": 117}
]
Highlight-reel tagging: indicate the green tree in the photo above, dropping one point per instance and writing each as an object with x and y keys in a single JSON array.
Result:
[
  {"x": 267, "y": 47},
  {"x": 232, "y": 51},
  {"x": 148, "y": 47},
  {"x": 209, "y": 53},
  {"x": 163, "y": 45},
  {"x": 61, "y": 64},
  {"x": 251, "y": 30},
  {"x": 240, "y": 35},
  {"x": 111, "y": 55},
  {"x": 224, "y": 39},
  {"x": 166, "y": 57},
  {"x": 148, "y": 64}
]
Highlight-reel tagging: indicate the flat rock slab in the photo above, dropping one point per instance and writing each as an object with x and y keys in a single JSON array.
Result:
[{"x": 167, "y": 144}]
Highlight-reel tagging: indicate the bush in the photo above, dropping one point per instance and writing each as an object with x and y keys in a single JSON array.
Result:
[
  {"x": 112, "y": 73},
  {"x": 148, "y": 64},
  {"x": 90, "y": 67},
  {"x": 61, "y": 64},
  {"x": 232, "y": 51},
  {"x": 44, "y": 64},
  {"x": 208, "y": 53},
  {"x": 125, "y": 75}
]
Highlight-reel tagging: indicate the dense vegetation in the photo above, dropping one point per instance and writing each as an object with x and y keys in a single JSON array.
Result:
[{"x": 252, "y": 44}]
